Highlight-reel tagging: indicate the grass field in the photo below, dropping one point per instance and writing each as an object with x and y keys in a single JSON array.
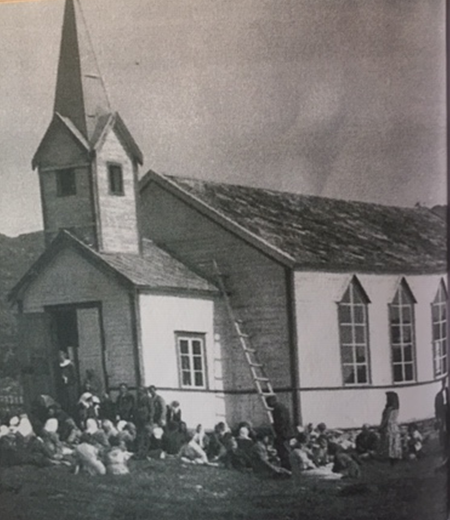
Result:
[{"x": 168, "y": 490}]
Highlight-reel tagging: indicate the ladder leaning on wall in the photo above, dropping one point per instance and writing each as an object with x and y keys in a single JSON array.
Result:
[{"x": 261, "y": 381}]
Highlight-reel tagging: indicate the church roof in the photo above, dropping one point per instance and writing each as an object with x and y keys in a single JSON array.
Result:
[
  {"x": 318, "y": 233},
  {"x": 153, "y": 270}
]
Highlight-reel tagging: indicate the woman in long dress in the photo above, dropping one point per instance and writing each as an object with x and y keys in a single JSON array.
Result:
[{"x": 391, "y": 445}]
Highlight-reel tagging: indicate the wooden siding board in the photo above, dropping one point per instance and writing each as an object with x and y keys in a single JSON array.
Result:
[
  {"x": 70, "y": 279},
  {"x": 256, "y": 283}
]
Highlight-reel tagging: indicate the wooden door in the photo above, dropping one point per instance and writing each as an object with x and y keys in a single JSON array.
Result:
[
  {"x": 90, "y": 343},
  {"x": 37, "y": 355}
]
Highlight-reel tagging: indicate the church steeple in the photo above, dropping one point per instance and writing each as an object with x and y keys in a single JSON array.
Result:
[
  {"x": 88, "y": 160},
  {"x": 80, "y": 92}
]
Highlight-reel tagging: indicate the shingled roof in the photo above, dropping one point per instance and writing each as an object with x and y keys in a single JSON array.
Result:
[
  {"x": 331, "y": 234},
  {"x": 154, "y": 269}
]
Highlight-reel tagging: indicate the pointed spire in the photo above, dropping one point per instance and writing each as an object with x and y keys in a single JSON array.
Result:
[{"x": 80, "y": 92}]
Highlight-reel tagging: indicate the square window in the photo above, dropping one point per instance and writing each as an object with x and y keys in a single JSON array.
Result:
[
  {"x": 407, "y": 353},
  {"x": 395, "y": 314},
  {"x": 185, "y": 365},
  {"x": 406, "y": 314},
  {"x": 198, "y": 379},
  {"x": 66, "y": 183},
  {"x": 186, "y": 379},
  {"x": 184, "y": 347},
  {"x": 115, "y": 178},
  {"x": 197, "y": 363}
]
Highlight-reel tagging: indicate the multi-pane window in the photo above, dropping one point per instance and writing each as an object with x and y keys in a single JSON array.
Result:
[
  {"x": 401, "y": 318},
  {"x": 439, "y": 317},
  {"x": 115, "y": 179},
  {"x": 65, "y": 183},
  {"x": 354, "y": 334},
  {"x": 191, "y": 352}
]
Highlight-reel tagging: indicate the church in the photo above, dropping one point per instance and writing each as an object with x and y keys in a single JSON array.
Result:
[{"x": 148, "y": 279}]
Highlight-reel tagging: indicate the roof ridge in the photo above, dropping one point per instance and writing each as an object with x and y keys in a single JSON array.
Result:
[{"x": 295, "y": 193}]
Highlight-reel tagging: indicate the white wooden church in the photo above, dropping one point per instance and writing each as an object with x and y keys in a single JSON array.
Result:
[{"x": 342, "y": 301}]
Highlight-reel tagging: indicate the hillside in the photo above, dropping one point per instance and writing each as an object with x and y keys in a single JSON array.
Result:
[{"x": 16, "y": 256}]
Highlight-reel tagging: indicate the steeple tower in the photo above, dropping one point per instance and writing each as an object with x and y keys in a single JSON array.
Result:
[
  {"x": 88, "y": 160},
  {"x": 80, "y": 92}
]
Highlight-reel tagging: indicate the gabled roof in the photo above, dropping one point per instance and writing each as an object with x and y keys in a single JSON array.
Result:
[
  {"x": 153, "y": 270},
  {"x": 319, "y": 233}
]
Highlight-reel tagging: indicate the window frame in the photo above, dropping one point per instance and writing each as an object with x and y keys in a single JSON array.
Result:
[
  {"x": 355, "y": 286},
  {"x": 191, "y": 337},
  {"x": 441, "y": 287},
  {"x": 59, "y": 175},
  {"x": 403, "y": 286},
  {"x": 110, "y": 167}
]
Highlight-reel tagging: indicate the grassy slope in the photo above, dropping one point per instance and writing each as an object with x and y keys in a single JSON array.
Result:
[{"x": 167, "y": 490}]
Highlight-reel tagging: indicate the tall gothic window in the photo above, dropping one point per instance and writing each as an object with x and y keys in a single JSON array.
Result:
[
  {"x": 439, "y": 317},
  {"x": 401, "y": 318},
  {"x": 354, "y": 335}
]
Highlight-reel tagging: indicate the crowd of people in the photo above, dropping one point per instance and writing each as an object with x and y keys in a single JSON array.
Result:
[{"x": 101, "y": 435}]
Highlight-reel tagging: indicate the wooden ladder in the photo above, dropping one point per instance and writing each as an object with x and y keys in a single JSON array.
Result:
[{"x": 261, "y": 381}]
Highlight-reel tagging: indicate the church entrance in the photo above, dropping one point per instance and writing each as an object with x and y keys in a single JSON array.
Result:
[{"x": 50, "y": 341}]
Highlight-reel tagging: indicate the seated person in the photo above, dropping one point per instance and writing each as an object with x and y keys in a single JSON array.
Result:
[
  {"x": 94, "y": 434},
  {"x": 301, "y": 457},
  {"x": 241, "y": 456},
  {"x": 366, "y": 443},
  {"x": 88, "y": 458},
  {"x": 88, "y": 407},
  {"x": 117, "y": 457},
  {"x": 173, "y": 412},
  {"x": 174, "y": 438},
  {"x": 155, "y": 446},
  {"x": 346, "y": 465},
  {"x": 201, "y": 438},
  {"x": 320, "y": 445},
  {"x": 415, "y": 442},
  {"x": 261, "y": 460},
  {"x": 109, "y": 429},
  {"x": 192, "y": 453},
  {"x": 127, "y": 433},
  {"x": 216, "y": 449}
]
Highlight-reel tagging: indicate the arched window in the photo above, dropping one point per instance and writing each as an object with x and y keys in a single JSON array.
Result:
[
  {"x": 401, "y": 317},
  {"x": 439, "y": 317},
  {"x": 354, "y": 335}
]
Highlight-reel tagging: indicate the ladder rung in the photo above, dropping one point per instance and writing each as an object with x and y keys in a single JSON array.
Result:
[
  {"x": 256, "y": 365},
  {"x": 268, "y": 394},
  {"x": 252, "y": 350},
  {"x": 243, "y": 335},
  {"x": 266, "y": 379}
]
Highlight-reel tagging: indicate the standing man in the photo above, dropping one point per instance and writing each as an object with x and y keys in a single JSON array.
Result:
[
  {"x": 442, "y": 414},
  {"x": 125, "y": 404},
  {"x": 282, "y": 427},
  {"x": 159, "y": 407},
  {"x": 68, "y": 383}
]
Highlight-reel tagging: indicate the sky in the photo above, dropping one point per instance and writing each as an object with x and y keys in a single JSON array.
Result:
[{"x": 338, "y": 98}]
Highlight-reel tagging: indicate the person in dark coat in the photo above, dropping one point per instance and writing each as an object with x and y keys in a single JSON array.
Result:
[
  {"x": 282, "y": 427},
  {"x": 125, "y": 404},
  {"x": 366, "y": 443},
  {"x": 144, "y": 415},
  {"x": 68, "y": 383},
  {"x": 442, "y": 414},
  {"x": 158, "y": 406}
]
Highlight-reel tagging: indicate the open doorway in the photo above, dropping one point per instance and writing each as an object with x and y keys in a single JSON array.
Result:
[{"x": 78, "y": 334}]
